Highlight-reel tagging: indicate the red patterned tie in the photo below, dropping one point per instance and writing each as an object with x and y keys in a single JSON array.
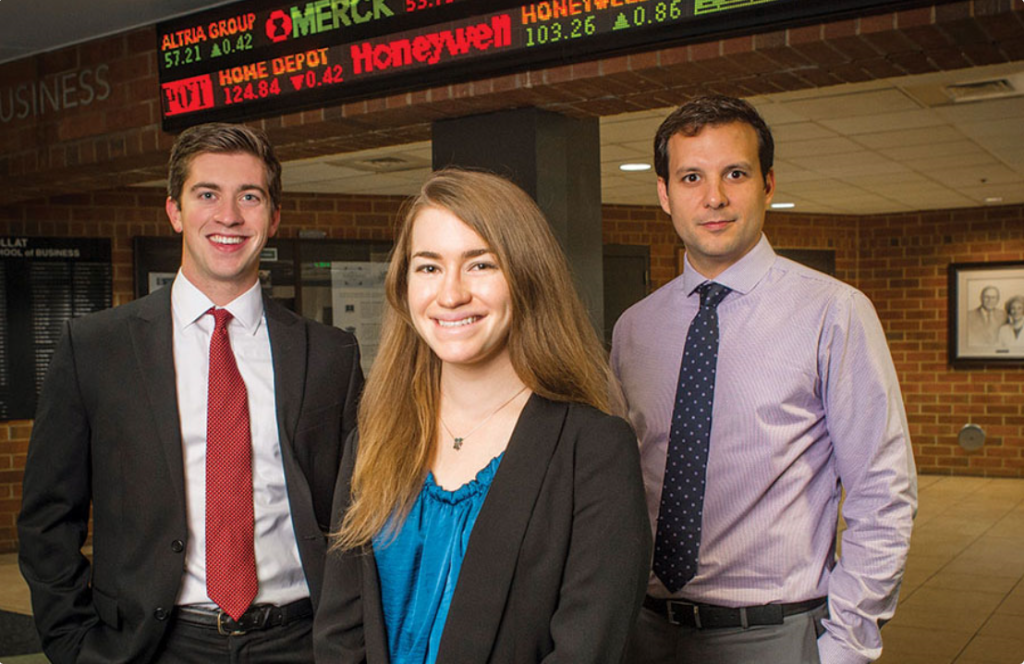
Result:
[{"x": 230, "y": 554}]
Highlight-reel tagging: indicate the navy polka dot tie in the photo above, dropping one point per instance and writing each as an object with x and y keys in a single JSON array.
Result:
[{"x": 677, "y": 544}]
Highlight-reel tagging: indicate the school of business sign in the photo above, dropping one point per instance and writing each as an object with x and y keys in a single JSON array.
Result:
[{"x": 252, "y": 59}]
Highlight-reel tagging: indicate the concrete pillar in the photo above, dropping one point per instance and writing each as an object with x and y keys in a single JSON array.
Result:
[{"x": 555, "y": 159}]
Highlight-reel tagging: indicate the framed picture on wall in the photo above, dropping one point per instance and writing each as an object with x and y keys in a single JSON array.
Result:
[{"x": 986, "y": 312}]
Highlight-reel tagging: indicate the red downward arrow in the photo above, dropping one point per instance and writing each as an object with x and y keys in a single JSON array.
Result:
[{"x": 297, "y": 81}]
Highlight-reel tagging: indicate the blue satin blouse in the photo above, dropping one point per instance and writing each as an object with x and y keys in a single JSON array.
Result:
[{"x": 419, "y": 568}]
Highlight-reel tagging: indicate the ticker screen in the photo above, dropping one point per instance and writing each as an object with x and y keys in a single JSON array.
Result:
[{"x": 252, "y": 59}]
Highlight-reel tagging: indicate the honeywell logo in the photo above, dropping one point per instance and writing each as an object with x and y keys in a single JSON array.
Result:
[{"x": 430, "y": 48}]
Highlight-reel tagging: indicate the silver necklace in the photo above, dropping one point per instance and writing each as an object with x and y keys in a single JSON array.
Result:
[{"x": 457, "y": 440}]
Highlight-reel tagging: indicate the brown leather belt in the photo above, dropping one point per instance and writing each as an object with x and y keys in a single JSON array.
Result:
[
  {"x": 257, "y": 617},
  {"x": 709, "y": 616}
]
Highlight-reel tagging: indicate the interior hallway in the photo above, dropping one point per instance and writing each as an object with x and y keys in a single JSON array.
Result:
[{"x": 963, "y": 594}]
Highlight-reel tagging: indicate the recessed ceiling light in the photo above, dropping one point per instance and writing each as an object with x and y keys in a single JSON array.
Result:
[
  {"x": 635, "y": 167},
  {"x": 993, "y": 199},
  {"x": 783, "y": 206}
]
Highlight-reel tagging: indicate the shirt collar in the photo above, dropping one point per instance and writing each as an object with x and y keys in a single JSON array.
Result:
[
  {"x": 190, "y": 304},
  {"x": 741, "y": 277}
]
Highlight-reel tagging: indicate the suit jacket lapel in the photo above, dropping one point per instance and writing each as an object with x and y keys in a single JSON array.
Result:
[
  {"x": 288, "y": 347},
  {"x": 375, "y": 637},
  {"x": 478, "y": 603},
  {"x": 152, "y": 338}
]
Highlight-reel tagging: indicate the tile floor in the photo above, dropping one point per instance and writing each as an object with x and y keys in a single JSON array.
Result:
[{"x": 963, "y": 594}]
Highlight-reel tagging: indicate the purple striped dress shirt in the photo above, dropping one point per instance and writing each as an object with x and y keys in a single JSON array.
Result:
[{"x": 807, "y": 404}]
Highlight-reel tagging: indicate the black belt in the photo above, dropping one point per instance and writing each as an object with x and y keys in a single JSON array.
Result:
[
  {"x": 708, "y": 616},
  {"x": 257, "y": 617}
]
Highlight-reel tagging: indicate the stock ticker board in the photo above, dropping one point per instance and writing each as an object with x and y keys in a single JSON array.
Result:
[{"x": 257, "y": 58}]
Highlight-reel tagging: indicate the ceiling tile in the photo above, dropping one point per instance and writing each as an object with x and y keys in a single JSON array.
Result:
[
  {"x": 869, "y": 180},
  {"x": 786, "y": 173},
  {"x": 776, "y": 114},
  {"x": 976, "y": 162},
  {"x": 898, "y": 191},
  {"x": 976, "y": 175},
  {"x": 851, "y": 164},
  {"x": 1006, "y": 128},
  {"x": 799, "y": 131},
  {"x": 831, "y": 107},
  {"x": 1010, "y": 192},
  {"x": 867, "y": 124},
  {"x": 932, "y": 201},
  {"x": 933, "y": 150},
  {"x": 617, "y": 153},
  {"x": 623, "y": 129},
  {"x": 906, "y": 137},
  {"x": 817, "y": 147}
]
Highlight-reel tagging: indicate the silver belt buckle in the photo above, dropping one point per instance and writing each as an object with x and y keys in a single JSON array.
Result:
[
  {"x": 222, "y": 631},
  {"x": 671, "y": 605}
]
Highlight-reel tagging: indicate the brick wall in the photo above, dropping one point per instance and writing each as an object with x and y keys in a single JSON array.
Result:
[
  {"x": 899, "y": 261},
  {"x": 13, "y": 446},
  {"x": 903, "y": 269}
]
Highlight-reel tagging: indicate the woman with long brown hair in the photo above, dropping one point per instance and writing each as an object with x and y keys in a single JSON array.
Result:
[{"x": 491, "y": 511}]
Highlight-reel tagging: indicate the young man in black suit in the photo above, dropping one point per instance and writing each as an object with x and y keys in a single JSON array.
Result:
[{"x": 208, "y": 533}]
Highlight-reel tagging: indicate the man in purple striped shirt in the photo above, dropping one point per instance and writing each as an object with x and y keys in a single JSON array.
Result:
[{"x": 806, "y": 405}]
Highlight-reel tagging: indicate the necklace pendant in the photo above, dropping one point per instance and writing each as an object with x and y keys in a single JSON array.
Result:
[{"x": 457, "y": 443}]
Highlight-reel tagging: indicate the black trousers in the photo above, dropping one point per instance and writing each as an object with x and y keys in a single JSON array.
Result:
[{"x": 192, "y": 644}]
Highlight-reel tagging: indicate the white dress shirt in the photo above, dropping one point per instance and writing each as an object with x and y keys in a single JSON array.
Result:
[{"x": 278, "y": 566}]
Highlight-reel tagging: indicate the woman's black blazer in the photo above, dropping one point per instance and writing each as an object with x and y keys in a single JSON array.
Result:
[{"x": 556, "y": 566}]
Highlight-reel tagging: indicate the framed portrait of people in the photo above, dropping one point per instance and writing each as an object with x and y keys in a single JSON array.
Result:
[{"x": 986, "y": 312}]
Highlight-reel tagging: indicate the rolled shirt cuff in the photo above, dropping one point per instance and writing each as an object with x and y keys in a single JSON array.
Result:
[{"x": 833, "y": 651}]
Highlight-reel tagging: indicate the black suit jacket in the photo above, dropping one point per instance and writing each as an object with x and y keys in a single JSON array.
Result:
[
  {"x": 107, "y": 434},
  {"x": 556, "y": 566}
]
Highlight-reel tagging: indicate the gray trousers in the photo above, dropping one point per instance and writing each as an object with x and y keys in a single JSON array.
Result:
[{"x": 657, "y": 641}]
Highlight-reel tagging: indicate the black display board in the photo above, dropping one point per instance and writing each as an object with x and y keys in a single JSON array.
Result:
[
  {"x": 43, "y": 283},
  {"x": 263, "y": 57}
]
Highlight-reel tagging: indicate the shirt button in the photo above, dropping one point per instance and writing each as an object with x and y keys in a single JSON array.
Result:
[
  {"x": 160, "y": 613},
  {"x": 177, "y": 546}
]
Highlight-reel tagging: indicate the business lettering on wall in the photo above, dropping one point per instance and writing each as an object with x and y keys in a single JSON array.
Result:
[{"x": 55, "y": 93}]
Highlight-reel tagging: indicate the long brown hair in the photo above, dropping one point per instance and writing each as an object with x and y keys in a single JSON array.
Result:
[{"x": 552, "y": 345}]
